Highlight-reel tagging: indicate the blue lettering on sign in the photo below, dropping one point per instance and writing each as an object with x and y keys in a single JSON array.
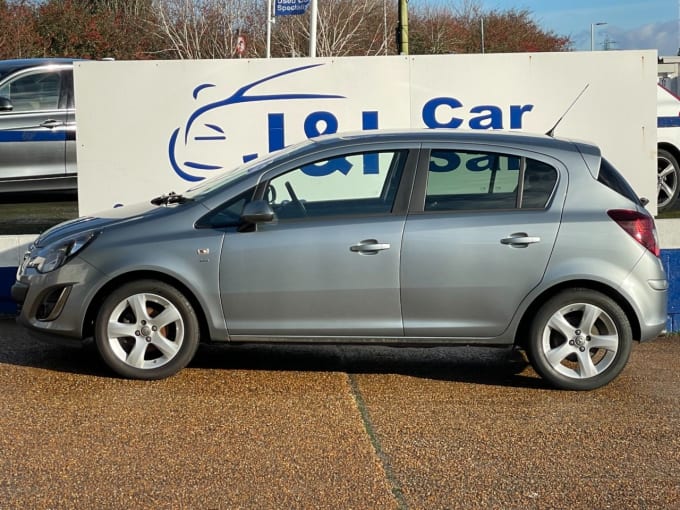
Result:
[
  {"x": 487, "y": 116},
  {"x": 318, "y": 124},
  {"x": 290, "y": 7},
  {"x": 438, "y": 112},
  {"x": 448, "y": 161},
  {"x": 444, "y": 161}
]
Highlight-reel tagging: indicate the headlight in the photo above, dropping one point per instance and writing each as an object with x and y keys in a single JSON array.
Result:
[{"x": 57, "y": 254}]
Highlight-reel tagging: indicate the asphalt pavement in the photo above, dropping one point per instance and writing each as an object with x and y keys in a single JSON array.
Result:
[{"x": 334, "y": 427}]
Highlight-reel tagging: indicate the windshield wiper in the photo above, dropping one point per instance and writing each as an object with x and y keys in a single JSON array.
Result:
[{"x": 170, "y": 198}]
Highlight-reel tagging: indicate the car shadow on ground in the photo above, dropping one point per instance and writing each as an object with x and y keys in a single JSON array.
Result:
[
  {"x": 488, "y": 366},
  {"x": 480, "y": 365}
]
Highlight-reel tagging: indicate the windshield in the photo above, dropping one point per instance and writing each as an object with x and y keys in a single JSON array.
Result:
[
  {"x": 229, "y": 177},
  {"x": 239, "y": 173}
]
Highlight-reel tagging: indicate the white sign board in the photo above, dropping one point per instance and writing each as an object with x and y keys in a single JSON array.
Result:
[{"x": 149, "y": 127}]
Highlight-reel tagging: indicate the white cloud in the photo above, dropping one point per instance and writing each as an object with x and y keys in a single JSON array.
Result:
[{"x": 661, "y": 36}]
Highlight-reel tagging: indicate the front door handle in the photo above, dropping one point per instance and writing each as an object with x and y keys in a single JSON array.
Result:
[
  {"x": 520, "y": 240},
  {"x": 369, "y": 247}
]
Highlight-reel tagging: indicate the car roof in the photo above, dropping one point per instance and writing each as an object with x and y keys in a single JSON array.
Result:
[
  {"x": 10, "y": 66},
  {"x": 423, "y": 135},
  {"x": 512, "y": 140}
]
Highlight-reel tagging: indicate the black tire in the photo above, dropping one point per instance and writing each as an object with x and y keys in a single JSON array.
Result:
[
  {"x": 667, "y": 187},
  {"x": 146, "y": 330},
  {"x": 580, "y": 339}
]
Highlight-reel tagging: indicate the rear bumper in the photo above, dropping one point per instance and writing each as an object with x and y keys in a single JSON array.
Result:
[{"x": 646, "y": 289}]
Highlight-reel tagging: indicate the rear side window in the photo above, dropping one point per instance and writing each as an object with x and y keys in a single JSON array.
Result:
[
  {"x": 464, "y": 181},
  {"x": 610, "y": 177},
  {"x": 460, "y": 180}
]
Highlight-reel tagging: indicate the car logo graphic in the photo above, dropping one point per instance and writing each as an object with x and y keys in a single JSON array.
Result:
[{"x": 191, "y": 170}]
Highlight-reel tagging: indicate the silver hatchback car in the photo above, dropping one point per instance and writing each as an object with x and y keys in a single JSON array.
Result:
[{"x": 405, "y": 238}]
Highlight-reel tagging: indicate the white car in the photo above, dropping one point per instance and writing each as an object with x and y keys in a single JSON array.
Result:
[{"x": 668, "y": 156}]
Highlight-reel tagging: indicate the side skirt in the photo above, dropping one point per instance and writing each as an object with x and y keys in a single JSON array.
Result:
[{"x": 389, "y": 341}]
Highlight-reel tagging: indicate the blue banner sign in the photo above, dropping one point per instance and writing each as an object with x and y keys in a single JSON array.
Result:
[{"x": 290, "y": 7}]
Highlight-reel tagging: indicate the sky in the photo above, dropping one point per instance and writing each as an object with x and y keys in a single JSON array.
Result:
[{"x": 631, "y": 24}]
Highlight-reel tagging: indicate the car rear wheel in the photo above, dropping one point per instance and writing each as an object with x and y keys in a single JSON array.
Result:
[
  {"x": 146, "y": 330},
  {"x": 667, "y": 180},
  {"x": 580, "y": 340}
]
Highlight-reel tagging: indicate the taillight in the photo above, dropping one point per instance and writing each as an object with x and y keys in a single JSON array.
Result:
[{"x": 640, "y": 227}]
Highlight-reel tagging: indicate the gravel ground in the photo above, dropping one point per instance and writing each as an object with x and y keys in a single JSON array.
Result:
[{"x": 328, "y": 427}]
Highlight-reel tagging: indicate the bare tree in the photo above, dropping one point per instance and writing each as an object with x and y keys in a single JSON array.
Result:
[
  {"x": 195, "y": 29},
  {"x": 201, "y": 29},
  {"x": 457, "y": 28},
  {"x": 345, "y": 27},
  {"x": 18, "y": 36},
  {"x": 434, "y": 30}
]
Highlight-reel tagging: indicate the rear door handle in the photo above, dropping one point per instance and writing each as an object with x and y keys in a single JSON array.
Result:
[
  {"x": 520, "y": 240},
  {"x": 51, "y": 123},
  {"x": 369, "y": 247}
]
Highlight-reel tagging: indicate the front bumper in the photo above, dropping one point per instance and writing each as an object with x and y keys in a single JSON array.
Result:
[
  {"x": 56, "y": 303},
  {"x": 18, "y": 292}
]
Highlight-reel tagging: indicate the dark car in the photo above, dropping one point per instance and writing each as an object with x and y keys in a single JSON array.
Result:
[{"x": 37, "y": 126}]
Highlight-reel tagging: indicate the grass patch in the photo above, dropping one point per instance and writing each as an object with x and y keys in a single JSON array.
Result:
[
  {"x": 34, "y": 217},
  {"x": 675, "y": 213}
]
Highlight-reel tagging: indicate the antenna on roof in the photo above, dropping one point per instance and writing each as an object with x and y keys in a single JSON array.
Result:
[{"x": 551, "y": 131}]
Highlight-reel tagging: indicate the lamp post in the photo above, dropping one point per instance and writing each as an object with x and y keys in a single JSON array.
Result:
[
  {"x": 592, "y": 33},
  {"x": 402, "y": 28},
  {"x": 313, "y": 14},
  {"x": 270, "y": 20}
]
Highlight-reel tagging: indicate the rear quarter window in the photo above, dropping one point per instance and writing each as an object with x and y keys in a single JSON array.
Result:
[{"x": 612, "y": 178}]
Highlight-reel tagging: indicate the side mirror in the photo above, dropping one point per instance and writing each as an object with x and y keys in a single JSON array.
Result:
[
  {"x": 5, "y": 104},
  {"x": 257, "y": 211},
  {"x": 644, "y": 201}
]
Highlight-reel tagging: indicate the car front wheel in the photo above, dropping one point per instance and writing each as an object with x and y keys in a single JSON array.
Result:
[
  {"x": 580, "y": 340},
  {"x": 146, "y": 330}
]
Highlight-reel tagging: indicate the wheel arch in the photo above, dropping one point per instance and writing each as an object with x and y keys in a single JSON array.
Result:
[
  {"x": 96, "y": 302},
  {"x": 673, "y": 149},
  {"x": 522, "y": 333}
]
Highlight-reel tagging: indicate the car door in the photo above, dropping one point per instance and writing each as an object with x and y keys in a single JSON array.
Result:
[
  {"x": 329, "y": 264},
  {"x": 477, "y": 239},
  {"x": 33, "y": 133},
  {"x": 68, "y": 96}
]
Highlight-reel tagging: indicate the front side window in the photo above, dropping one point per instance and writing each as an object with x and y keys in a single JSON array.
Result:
[
  {"x": 33, "y": 92},
  {"x": 227, "y": 214},
  {"x": 464, "y": 180},
  {"x": 356, "y": 184}
]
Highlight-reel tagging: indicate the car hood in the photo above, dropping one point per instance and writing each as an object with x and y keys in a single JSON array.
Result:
[{"x": 102, "y": 220}]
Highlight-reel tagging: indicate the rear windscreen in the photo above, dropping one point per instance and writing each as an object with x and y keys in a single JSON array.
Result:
[{"x": 610, "y": 177}]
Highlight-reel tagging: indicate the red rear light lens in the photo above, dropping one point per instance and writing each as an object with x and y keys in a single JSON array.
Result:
[{"x": 640, "y": 227}]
